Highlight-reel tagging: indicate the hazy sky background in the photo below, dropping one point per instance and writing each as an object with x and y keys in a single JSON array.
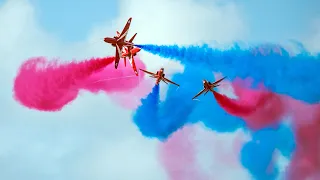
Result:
[
  {"x": 94, "y": 138},
  {"x": 72, "y": 20}
]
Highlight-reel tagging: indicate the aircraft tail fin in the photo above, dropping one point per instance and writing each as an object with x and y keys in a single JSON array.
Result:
[{"x": 133, "y": 37}]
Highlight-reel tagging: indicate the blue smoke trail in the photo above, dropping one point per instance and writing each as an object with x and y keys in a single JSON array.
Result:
[
  {"x": 178, "y": 109},
  {"x": 146, "y": 116},
  {"x": 161, "y": 120},
  {"x": 256, "y": 155},
  {"x": 296, "y": 76},
  {"x": 286, "y": 141}
]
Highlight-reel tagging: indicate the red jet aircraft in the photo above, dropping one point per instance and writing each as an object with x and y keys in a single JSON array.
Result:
[
  {"x": 160, "y": 77},
  {"x": 130, "y": 52},
  {"x": 119, "y": 41},
  {"x": 208, "y": 86}
]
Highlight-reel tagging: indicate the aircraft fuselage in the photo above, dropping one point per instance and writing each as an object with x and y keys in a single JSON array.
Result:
[
  {"x": 160, "y": 75},
  {"x": 206, "y": 85}
]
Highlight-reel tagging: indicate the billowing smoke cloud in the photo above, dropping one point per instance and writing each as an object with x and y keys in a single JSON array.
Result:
[
  {"x": 280, "y": 83},
  {"x": 50, "y": 85},
  {"x": 271, "y": 64}
]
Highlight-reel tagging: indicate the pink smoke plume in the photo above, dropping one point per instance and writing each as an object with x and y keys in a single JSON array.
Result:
[
  {"x": 305, "y": 162},
  {"x": 50, "y": 85},
  {"x": 179, "y": 155}
]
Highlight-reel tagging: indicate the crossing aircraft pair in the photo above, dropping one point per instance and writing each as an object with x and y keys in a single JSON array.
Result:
[
  {"x": 207, "y": 86},
  {"x": 126, "y": 49}
]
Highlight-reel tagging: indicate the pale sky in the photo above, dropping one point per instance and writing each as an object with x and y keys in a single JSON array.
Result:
[{"x": 94, "y": 138}]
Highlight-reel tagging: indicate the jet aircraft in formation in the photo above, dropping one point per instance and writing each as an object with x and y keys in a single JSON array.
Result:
[
  {"x": 208, "y": 86},
  {"x": 159, "y": 76},
  {"x": 126, "y": 49},
  {"x": 119, "y": 42}
]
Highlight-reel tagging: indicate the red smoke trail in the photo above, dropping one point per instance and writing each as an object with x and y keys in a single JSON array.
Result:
[
  {"x": 113, "y": 80},
  {"x": 49, "y": 85},
  {"x": 259, "y": 108},
  {"x": 305, "y": 118},
  {"x": 269, "y": 108}
]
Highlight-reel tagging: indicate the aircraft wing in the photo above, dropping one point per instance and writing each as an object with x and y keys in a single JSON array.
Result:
[
  {"x": 217, "y": 82},
  {"x": 125, "y": 30},
  {"x": 147, "y": 72},
  {"x": 118, "y": 55},
  {"x": 202, "y": 91},
  {"x": 165, "y": 79}
]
